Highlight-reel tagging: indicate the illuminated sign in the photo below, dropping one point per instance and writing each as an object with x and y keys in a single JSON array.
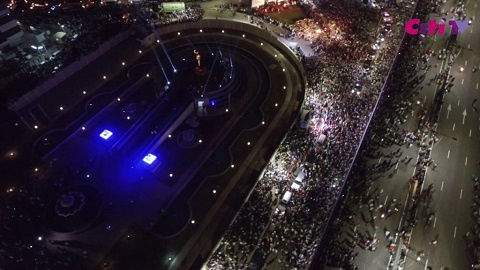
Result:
[
  {"x": 106, "y": 134},
  {"x": 149, "y": 159}
]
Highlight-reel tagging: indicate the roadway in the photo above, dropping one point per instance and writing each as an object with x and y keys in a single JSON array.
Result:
[{"x": 457, "y": 154}]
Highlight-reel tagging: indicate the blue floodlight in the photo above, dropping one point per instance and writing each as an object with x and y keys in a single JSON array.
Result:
[
  {"x": 106, "y": 134},
  {"x": 149, "y": 159},
  {"x": 212, "y": 103}
]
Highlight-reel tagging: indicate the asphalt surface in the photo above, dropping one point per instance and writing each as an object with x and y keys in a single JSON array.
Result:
[{"x": 457, "y": 154}]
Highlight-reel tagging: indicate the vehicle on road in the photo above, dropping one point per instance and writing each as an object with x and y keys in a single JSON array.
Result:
[
  {"x": 299, "y": 177},
  {"x": 282, "y": 206}
]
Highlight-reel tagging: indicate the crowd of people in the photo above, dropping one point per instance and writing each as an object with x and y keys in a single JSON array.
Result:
[
  {"x": 82, "y": 31},
  {"x": 340, "y": 113},
  {"x": 405, "y": 83},
  {"x": 473, "y": 238},
  {"x": 193, "y": 12}
]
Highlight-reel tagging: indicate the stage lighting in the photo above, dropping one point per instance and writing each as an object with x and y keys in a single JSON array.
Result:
[
  {"x": 149, "y": 159},
  {"x": 106, "y": 134}
]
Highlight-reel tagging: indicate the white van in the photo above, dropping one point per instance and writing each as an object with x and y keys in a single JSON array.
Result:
[
  {"x": 284, "y": 202},
  {"x": 299, "y": 177}
]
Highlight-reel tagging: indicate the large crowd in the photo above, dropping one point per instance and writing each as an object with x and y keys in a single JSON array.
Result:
[
  {"x": 403, "y": 86},
  {"x": 473, "y": 238},
  {"x": 341, "y": 94}
]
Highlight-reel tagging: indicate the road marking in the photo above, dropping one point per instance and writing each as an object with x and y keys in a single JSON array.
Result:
[
  {"x": 471, "y": 31},
  {"x": 414, "y": 169},
  {"x": 424, "y": 99},
  {"x": 385, "y": 203},
  {"x": 466, "y": 62},
  {"x": 441, "y": 188},
  {"x": 466, "y": 161},
  {"x": 453, "y": 127},
  {"x": 434, "y": 222},
  {"x": 448, "y": 154},
  {"x": 396, "y": 166},
  {"x": 379, "y": 160},
  {"x": 470, "y": 133},
  {"x": 463, "y": 81},
  {"x": 469, "y": 46},
  {"x": 477, "y": 85},
  {"x": 461, "y": 193},
  {"x": 413, "y": 112},
  {"x": 458, "y": 103},
  {"x": 455, "y": 232},
  {"x": 426, "y": 265}
]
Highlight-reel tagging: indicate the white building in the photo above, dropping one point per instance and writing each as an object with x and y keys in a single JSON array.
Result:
[{"x": 10, "y": 33}]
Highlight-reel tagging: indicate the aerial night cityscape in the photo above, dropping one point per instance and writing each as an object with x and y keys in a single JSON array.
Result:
[{"x": 239, "y": 134}]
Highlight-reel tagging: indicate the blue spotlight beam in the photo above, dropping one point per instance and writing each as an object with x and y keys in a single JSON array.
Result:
[{"x": 157, "y": 36}]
